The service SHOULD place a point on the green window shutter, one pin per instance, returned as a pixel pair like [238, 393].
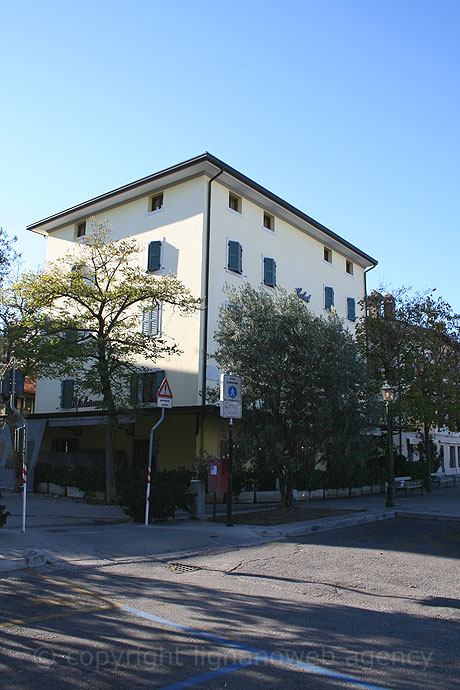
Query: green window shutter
[351, 309]
[235, 257]
[328, 298]
[154, 260]
[159, 376]
[269, 272]
[67, 393]
[134, 389]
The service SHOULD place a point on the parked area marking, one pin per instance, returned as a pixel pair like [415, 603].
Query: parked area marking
[258, 656]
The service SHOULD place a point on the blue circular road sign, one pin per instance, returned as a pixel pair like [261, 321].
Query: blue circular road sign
[232, 392]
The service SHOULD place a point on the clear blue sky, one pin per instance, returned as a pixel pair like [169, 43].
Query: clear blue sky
[348, 109]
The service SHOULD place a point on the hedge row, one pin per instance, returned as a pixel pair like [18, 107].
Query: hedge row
[169, 488]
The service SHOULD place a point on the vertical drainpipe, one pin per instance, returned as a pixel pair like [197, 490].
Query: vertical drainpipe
[366, 271]
[206, 295]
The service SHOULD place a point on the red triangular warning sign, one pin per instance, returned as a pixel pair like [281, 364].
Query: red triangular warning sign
[164, 390]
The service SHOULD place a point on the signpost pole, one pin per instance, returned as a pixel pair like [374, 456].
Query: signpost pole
[23, 448]
[230, 474]
[149, 469]
[164, 399]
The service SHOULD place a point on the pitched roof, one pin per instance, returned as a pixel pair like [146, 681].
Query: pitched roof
[207, 164]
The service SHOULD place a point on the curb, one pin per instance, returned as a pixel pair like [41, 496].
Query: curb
[441, 517]
[30, 560]
[35, 558]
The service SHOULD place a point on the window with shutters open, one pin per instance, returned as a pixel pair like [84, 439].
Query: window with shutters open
[144, 387]
[154, 256]
[351, 309]
[269, 272]
[151, 322]
[328, 298]
[67, 393]
[235, 257]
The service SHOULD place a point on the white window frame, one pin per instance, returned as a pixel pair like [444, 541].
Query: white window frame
[75, 234]
[264, 227]
[328, 263]
[352, 274]
[240, 204]
[157, 210]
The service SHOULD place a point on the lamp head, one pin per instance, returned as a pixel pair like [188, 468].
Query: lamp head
[388, 393]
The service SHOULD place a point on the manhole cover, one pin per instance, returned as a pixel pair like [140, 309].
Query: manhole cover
[182, 568]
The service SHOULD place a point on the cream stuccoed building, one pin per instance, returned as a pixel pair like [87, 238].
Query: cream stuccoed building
[211, 225]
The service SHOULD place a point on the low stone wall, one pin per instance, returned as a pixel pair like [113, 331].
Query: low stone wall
[69, 491]
[314, 495]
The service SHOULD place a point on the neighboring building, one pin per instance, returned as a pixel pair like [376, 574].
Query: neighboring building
[211, 225]
[447, 445]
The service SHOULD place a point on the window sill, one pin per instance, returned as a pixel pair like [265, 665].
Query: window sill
[237, 213]
[234, 273]
[271, 232]
[328, 263]
[153, 213]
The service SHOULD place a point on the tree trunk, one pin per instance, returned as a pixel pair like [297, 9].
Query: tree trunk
[427, 457]
[286, 490]
[110, 486]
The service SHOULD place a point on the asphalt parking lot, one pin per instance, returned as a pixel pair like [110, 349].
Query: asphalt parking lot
[373, 606]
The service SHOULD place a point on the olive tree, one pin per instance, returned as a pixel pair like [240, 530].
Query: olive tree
[302, 381]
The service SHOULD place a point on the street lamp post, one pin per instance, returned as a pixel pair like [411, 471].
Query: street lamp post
[388, 395]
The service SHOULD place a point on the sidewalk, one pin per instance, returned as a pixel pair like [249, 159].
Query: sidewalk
[67, 530]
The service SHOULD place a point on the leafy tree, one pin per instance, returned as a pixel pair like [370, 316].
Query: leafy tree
[413, 342]
[82, 315]
[7, 253]
[302, 383]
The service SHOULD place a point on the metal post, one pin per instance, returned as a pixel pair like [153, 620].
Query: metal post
[390, 502]
[230, 474]
[149, 469]
[23, 449]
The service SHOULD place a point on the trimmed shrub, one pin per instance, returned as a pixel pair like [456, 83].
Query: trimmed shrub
[310, 480]
[88, 479]
[169, 491]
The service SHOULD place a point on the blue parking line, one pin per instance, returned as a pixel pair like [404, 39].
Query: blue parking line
[209, 675]
[260, 656]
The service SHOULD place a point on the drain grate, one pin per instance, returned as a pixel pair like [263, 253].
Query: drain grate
[182, 568]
